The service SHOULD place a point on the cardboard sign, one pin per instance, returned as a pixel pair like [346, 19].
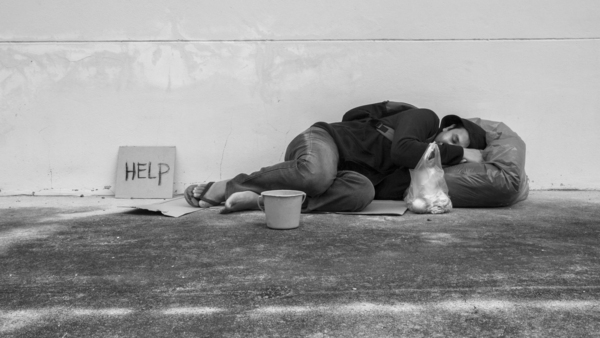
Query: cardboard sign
[145, 172]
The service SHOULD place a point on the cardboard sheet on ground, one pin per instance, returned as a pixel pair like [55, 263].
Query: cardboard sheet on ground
[382, 207]
[173, 207]
[177, 207]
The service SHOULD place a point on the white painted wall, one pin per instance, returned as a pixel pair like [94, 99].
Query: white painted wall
[230, 82]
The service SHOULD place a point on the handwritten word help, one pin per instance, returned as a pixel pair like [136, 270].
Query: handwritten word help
[145, 170]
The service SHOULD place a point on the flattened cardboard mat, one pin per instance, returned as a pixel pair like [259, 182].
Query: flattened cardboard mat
[173, 208]
[177, 207]
[382, 207]
[145, 172]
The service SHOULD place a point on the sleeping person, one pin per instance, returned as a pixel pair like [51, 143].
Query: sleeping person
[343, 166]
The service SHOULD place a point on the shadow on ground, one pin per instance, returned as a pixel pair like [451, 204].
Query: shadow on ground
[87, 269]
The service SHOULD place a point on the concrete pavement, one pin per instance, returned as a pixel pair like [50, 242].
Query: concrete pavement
[84, 267]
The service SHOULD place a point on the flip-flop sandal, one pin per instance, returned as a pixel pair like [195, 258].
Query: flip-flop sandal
[205, 199]
[189, 197]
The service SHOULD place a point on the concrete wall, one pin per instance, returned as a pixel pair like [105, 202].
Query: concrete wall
[230, 82]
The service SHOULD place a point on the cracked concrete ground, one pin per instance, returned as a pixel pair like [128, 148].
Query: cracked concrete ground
[84, 267]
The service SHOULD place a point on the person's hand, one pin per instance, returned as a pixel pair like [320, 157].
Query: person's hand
[472, 156]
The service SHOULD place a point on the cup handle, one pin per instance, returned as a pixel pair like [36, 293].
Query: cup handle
[303, 198]
[258, 200]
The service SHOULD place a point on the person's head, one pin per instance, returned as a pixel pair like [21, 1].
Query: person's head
[460, 132]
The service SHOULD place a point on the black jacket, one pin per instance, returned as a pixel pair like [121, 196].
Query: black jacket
[385, 163]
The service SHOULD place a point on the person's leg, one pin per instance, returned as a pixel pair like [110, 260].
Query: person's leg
[350, 191]
[310, 165]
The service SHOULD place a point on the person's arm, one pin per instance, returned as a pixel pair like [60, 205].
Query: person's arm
[412, 130]
[472, 156]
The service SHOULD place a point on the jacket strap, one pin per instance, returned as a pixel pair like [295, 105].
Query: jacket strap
[384, 130]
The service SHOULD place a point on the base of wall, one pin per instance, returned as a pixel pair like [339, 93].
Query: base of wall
[111, 193]
[60, 192]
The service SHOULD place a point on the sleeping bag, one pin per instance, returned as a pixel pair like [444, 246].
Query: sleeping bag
[498, 181]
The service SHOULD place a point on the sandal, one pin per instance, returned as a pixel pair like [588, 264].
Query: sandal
[193, 201]
[208, 200]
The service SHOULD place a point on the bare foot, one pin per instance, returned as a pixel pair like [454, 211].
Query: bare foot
[245, 200]
[215, 193]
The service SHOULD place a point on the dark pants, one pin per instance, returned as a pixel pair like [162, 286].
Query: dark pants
[311, 161]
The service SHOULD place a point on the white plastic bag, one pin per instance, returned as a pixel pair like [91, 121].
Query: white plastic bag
[428, 192]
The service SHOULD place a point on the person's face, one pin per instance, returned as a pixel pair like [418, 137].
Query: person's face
[453, 135]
